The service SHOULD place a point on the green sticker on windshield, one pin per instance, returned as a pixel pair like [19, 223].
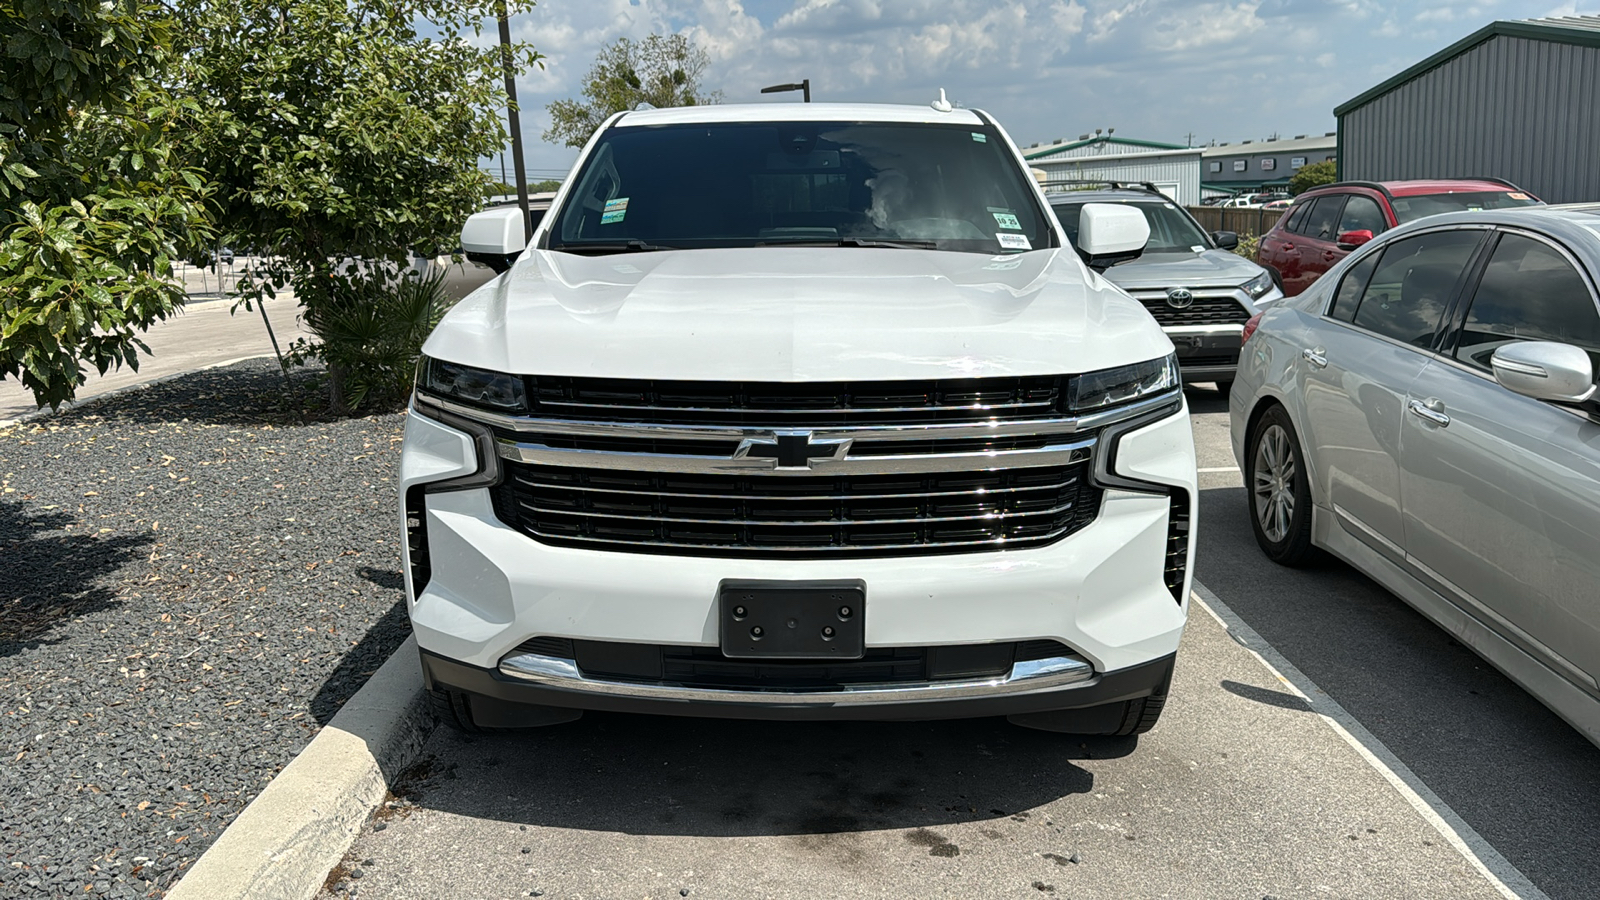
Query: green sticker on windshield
[980, 138]
[615, 211]
[1007, 220]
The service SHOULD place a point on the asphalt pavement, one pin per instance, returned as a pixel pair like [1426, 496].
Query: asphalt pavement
[1378, 759]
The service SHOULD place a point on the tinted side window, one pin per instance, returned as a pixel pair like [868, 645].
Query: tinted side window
[1297, 217]
[1529, 292]
[1413, 283]
[1323, 218]
[1350, 288]
[1361, 214]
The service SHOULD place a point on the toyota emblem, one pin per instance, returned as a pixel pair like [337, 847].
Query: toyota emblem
[1179, 298]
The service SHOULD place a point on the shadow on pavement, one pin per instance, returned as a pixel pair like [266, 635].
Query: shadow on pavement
[1280, 699]
[1520, 776]
[54, 577]
[665, 775]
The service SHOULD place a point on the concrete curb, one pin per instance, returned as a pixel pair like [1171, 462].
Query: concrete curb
[294, 832]
[46, 412]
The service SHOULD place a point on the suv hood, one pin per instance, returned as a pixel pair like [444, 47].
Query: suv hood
[1207, 268]
[797, 314]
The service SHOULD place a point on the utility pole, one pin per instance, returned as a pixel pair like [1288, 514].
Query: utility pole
[1188, 139]
[515, 121]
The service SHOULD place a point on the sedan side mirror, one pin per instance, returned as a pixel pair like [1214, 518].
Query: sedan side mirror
[1109, 233]
[1350, 240]
[494, 237]
[1225, 240]
[1545, 370]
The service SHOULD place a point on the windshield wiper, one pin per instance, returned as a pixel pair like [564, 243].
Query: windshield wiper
[634, 246]
[853, 242]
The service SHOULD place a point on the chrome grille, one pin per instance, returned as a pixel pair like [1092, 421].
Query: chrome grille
[797, 405]
[1212, 310]
[738, 515]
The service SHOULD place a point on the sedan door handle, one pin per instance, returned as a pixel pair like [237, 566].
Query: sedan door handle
[1314, 355]
[1431, 410]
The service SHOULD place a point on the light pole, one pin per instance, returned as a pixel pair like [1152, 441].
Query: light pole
[515, 122]
[799, 86]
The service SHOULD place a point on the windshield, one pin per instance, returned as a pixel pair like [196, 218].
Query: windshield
[939, 187]
[1408, 209]
[1171, 229]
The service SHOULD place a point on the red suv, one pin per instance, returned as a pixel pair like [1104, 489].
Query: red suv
[1327, 222]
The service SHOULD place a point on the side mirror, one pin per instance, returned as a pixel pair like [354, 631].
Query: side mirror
[1353, 239]
[494, 237]
[1545, 370]
[1109, 233]
[1225, 240]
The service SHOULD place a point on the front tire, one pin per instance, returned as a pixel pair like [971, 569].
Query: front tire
[1278, 489]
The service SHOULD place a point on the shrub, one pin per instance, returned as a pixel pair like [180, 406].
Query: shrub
[370, 326]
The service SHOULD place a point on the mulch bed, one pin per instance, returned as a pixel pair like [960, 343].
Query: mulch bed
[193, 579]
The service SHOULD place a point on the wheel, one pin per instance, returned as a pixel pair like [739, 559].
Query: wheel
[474, 714]
[1279, 492]
[454, 709]
[1120, 719]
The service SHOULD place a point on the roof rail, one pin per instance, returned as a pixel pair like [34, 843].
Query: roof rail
[1373, 185]
[1385, 191]
[1102, 182]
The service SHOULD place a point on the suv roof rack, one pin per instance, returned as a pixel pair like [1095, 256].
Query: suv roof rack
[1103, 182]
[1377, 186]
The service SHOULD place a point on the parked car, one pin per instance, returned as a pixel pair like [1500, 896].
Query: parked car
[1327, 222]
[1277, 204]
[1243, 201]
[800, 411]
[1200, 293]
[1268, 197]
[1427, 413]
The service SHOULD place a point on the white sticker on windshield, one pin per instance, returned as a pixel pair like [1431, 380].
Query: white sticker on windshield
[1007, 220]
[615, 211]
[1013, 241]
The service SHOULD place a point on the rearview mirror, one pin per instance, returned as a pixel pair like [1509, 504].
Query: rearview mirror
[1109, 233]
[1225, 240]
[1353, 239]
[1545, 370]
[495, 237]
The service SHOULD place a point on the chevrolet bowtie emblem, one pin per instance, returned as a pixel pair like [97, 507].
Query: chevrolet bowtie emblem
[793, 449]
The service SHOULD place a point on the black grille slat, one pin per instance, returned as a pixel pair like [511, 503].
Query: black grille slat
[737, 515]
[810, 404]
[1177, 555]
[1203, 311]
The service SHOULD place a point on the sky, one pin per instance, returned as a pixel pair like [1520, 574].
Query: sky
[1160, 70]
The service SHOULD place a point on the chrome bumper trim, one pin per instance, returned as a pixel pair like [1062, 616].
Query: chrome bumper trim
[1031, 675]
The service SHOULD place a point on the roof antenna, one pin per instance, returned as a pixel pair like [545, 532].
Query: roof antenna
[941, 104]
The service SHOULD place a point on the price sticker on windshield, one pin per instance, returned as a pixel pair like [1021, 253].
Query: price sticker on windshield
[615, 211]
[1007, 220]
[1013, 241]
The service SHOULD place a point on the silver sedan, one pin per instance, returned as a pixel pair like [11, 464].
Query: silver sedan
[1428, 413]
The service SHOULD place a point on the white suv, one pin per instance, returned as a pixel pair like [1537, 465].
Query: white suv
[800, 412]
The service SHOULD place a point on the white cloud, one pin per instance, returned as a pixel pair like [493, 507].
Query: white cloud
[1154, 69]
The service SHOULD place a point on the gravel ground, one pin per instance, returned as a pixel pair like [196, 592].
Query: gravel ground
[194, 580]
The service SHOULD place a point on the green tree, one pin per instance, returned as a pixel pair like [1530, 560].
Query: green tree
[344, 135]
[1313, 175]
[660, 71]
[94, 202]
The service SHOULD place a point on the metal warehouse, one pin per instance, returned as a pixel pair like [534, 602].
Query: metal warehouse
[1173, 168]
[1515, 100]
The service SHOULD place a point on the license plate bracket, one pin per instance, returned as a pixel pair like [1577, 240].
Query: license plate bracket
[792, 619]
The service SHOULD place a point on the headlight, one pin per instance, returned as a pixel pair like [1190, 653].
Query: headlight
[475, 387]
[1258, 286]
[1108, 387]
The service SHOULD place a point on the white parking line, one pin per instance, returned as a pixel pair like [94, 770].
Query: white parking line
[1499, 871]
[1218, 469]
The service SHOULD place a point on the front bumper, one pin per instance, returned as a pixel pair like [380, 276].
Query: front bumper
[497, 695]
[1100, 591]
[1207, 352]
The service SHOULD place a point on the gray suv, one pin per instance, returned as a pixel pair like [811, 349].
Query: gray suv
[1199, 292]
